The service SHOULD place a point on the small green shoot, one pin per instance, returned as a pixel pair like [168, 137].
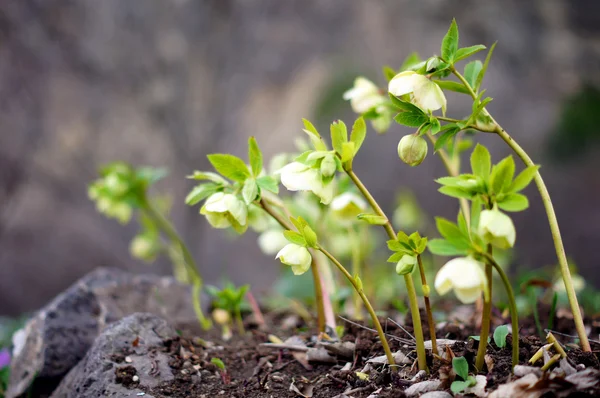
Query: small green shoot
[461, 368]
[500, 336]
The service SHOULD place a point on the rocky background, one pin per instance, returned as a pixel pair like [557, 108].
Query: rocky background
[164, 83]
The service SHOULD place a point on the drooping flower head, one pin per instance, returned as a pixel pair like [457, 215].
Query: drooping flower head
[364, 96]
[297, 176]
[497, 228]
[224, 210]
[426, 94]
[296, 256]
[465, 276]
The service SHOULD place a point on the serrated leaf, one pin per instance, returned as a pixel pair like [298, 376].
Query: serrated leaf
[523, 179]
[500, 336]
[514, 202]
[402, 237]
[229, 166]
[411, 119]
[250, 190]
[294, 237]
[502, 174]
[339, 135]
[310, 236]
[484, 69]
[442, 247]
[481, 162]
[466, 52]
[452, 86]
[255, 156]
[314, 136]
[450, 43]
[201, 192]
[444, 138]
[461, 367]
[358, 134]
[422, 245]
[394, 245]
[268, 183]
[448, 229]
[372, 219]
[471, 72]
[455, 192]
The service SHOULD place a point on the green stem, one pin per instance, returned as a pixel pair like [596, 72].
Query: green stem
[486, 314]
[560, 250]
[356, 270]
[314, 269]
[430, 322]
[512, 306]
[193, 275]
[410, 287]
[239, 321]
[368, 306]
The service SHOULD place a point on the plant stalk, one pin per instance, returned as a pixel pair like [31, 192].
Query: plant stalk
[430, 322]
[560, 250]
[410, 287]
[356, 270]
[368, 306]
[193, 275]
[486, 315]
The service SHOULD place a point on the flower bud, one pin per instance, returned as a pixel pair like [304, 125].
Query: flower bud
[296, 256]
[221, 316]
[406, 265]
[328, 166]
[412, 149]
[364, 96]
[465, 276]
[497, 228]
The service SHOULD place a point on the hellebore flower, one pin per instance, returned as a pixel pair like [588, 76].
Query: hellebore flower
[465, 276]
[300, 177]
[497, 228]
[348, 205]
[223, 210]
[296, 256]
[412, 150]
[427, 95]
[364, 96]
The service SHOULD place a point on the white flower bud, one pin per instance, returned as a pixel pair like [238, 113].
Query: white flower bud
[412, 150]
[297, 257]
[300, 177]
[497, 228]
[223, 210]
[465, 276]
[427, 95]
[364, 96]
[406, 265]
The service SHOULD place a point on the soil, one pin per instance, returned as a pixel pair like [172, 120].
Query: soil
[256, 371]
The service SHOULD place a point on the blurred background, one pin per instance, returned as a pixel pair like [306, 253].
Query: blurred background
[163, 83]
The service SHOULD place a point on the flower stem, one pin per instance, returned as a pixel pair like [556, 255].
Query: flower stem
[560, 250]
[410, 287]
[486, 314]
[314, 269]
[512, 306]
[356, 270]
[430, 322]
[192, 271]
[368, 306]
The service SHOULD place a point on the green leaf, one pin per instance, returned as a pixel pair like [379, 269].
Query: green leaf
[388, 72]
[201, 192]
[229, 166]
[444, 138]
[294, 237]
[500, 336]
[502, 174]
[394, 245]
[442, 247]
[448, 229]
[471, 72]
[422, 245]
[466, 52]
[450, 43]
[255, 156]
[269, 183]
[455, 192]
[348, 151]
[402, 237]
[514, 202]
[461, 367]
[358, 134]
[411, 119]
[218, 363]
[372, 219]
[476, 204]
[481, 162]
[405, 106]
[208, 175]
[394, 258]
[458, 386]
[523, 179]
[310, 236]
[250, 190]
[314, 136]
[434, 126]
[484, 69]
[339, 135]
[299, 223]
[452, 86]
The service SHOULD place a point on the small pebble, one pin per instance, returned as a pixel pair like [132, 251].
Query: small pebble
[184, 372]
[128, 359]
[135, 378]
[580, 366]
[196, 367]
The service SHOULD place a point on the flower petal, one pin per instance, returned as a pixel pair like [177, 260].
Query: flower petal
[428, 95]
[402, 83]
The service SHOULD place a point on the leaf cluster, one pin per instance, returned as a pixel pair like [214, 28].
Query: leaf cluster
[461, 368]
[304, 236]
[229, 298]
[404, 244]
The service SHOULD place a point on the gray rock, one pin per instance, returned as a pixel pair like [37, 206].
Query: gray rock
[436, 394]
[96, 375]
[418, 389]
[60, 334]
